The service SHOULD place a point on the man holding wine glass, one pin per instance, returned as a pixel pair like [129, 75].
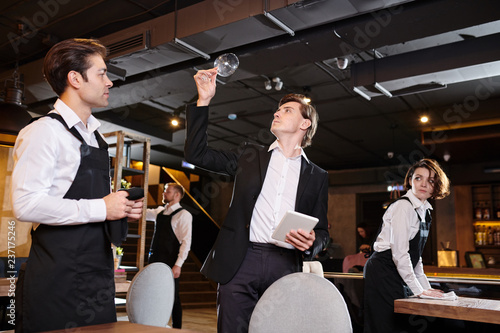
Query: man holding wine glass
[269, 181]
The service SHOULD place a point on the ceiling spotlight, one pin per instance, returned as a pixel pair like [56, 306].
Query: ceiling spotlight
[342, 63]
[268, 85]
[424, 119]
[306, 91]
[233, 116]
[175, 122]
[278, 83]
[446, 156]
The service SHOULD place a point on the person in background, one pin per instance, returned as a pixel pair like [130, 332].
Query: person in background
[61, 182]
[269, 181]
[354, 263]
[396, 264]
[172, 239]
[365, 234]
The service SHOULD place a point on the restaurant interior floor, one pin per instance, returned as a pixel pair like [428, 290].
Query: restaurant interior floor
[201, 319]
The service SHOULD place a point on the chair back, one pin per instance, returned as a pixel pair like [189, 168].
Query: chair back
[150, 297]
[314, 267]
[301, 302]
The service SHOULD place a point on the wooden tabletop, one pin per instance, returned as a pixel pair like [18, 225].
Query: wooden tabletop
[126, 327]
[464, 308]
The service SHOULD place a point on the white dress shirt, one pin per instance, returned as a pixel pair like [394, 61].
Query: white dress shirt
[400, 225]
[278, 195]
[46, 159]
[182, 225]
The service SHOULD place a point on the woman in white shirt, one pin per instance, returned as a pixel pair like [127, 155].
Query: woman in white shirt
[395, 268]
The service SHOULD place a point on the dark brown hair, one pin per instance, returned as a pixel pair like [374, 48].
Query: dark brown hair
[441, 181]
[308, 112]
[69, 55]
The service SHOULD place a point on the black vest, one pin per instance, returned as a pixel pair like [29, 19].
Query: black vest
[165, 245]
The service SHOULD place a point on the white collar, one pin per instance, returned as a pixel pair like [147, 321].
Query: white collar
[173, 207]
[416, 203]
[275, 145]
[71, 118]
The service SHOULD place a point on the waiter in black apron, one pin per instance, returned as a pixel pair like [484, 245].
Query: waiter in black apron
[395, 269]
[172, 239]
[61, 183]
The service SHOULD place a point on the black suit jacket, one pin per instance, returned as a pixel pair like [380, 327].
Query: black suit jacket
[248, 164]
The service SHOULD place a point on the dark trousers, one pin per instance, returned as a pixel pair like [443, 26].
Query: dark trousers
[263, 264]
[177, 309]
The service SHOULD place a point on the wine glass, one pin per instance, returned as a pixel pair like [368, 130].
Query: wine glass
[226, 64]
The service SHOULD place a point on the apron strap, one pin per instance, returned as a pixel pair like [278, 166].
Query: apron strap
[73, 130]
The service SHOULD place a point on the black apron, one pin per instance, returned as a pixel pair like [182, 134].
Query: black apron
[383, 284]
[69, 280]
[165, 245]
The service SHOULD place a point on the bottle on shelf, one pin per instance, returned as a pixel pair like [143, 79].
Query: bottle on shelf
[480, 235]
[483, 235]
[486, 211]
[490, 236]
[476, 235]
[478, 212]
[497, 212]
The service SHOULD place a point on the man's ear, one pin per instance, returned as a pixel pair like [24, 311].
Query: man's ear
[74, 79]
[306, 124]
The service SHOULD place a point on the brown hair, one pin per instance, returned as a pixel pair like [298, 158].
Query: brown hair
[308, 112]
[441, 181]
[178, 188]
[69, 55]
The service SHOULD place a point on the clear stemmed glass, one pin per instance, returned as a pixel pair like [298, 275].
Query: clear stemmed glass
[226, 64]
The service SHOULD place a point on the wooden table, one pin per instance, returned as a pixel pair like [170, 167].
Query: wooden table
[464, 308]
[125, 327]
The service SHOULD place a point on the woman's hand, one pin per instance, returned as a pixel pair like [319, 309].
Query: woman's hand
[432, 293]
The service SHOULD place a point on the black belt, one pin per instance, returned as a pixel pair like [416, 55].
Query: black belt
[269, 247]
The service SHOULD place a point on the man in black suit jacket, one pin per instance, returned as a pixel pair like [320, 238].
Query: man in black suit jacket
[245, 260]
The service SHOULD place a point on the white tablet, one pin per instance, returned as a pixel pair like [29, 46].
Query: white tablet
[293, 221]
